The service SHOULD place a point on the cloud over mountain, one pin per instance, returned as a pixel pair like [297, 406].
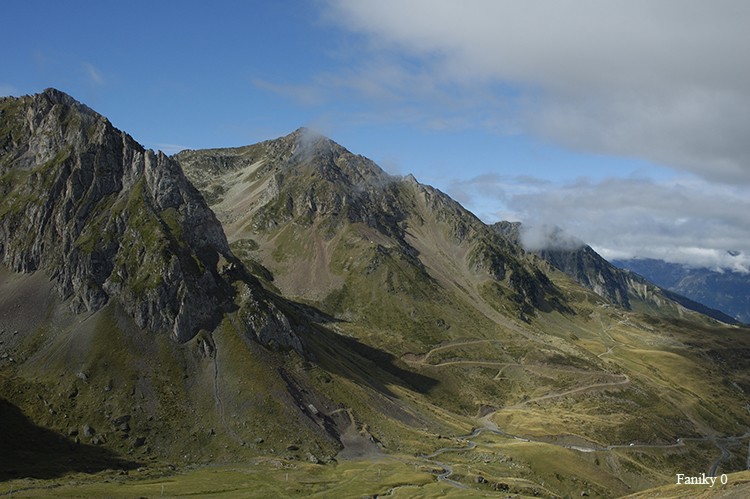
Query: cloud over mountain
[694, 223]
[665, 81]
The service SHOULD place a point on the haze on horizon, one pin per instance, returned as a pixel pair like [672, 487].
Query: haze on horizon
[623, 123]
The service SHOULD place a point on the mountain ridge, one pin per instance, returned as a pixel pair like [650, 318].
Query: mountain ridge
[357, 315]
[336, 193]
[617, 285]
[105, 217]
[724, 290]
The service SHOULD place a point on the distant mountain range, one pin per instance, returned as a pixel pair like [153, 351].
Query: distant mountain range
[727, 291]
[625, 288]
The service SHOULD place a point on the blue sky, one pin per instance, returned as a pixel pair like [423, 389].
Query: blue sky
[625, 123]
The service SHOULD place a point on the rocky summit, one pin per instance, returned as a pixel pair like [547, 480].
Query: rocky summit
[336, 215]
[287, 319]
[105, 218]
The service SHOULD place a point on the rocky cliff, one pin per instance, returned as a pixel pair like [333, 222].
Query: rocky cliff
[583, 264]
[105, 218]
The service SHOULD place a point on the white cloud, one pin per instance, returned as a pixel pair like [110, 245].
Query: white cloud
[666, 81]
[539, 237]
[484, 193]
[94, 75]
[690, 222]
[663, 81]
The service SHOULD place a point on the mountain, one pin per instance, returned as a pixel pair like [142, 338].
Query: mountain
[726, 290]
[404, 269]
[105, 218]
[612, 282]
[119, 293]
[305, 324]
[581, 263]
[320, 218]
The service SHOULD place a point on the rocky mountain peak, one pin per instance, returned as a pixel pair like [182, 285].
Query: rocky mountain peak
[332, 161]
[55, 96]
[302, 176]
[305, 187]
[107, 219]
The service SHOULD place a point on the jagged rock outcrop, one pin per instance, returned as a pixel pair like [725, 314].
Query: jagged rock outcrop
[617, 286]
[581, 263]
[588, 268]
[106, 218]
[306, 177]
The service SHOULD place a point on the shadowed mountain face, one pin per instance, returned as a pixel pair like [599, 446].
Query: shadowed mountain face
[316, 308]
[27, 450]
[92, 208]
[111, 260]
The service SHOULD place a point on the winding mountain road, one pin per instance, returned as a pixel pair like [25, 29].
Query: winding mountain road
[470, 444]
[489, 426]
[580, 389]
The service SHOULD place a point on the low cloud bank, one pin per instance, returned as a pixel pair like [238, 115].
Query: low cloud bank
[688, 221]
[548, 237]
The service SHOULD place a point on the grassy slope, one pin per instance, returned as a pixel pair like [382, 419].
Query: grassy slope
[592, 377]
[522, 466]
[627, 380]
[181, 406]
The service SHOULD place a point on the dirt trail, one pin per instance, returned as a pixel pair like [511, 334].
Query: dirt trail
[487, 425]
[447, 468]
[490, 427]
[609, 351]
[580, 389]
[454, 344]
